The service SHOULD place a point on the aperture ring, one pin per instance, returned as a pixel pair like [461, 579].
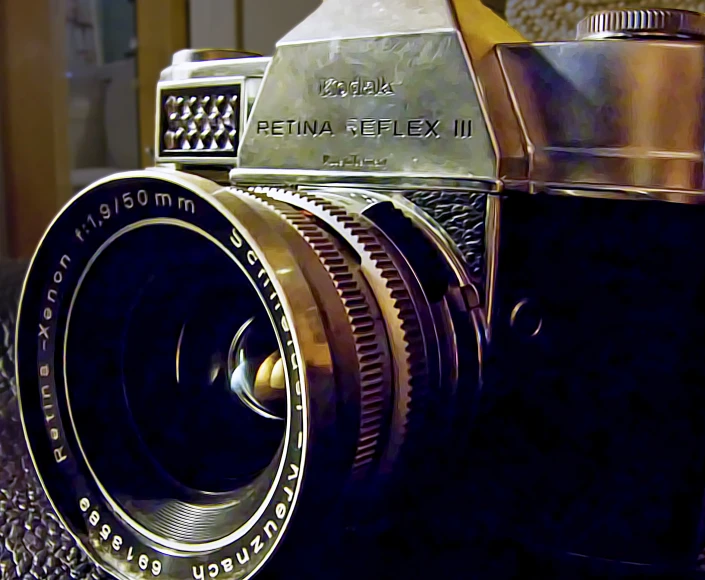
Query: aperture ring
[368, 335]
[403, 327]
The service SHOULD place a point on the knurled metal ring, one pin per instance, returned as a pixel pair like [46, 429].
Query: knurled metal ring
[395, 301]
[370, 342]
[633, 23]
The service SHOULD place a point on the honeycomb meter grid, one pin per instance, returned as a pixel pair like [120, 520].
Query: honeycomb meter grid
[201, 120]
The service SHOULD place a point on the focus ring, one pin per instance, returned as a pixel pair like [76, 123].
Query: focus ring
[371, 356]
[411, 365]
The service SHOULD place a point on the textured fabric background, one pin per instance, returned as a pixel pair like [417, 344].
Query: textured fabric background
[557, 19]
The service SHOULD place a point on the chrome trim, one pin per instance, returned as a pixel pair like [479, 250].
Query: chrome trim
[338, 19]
[615, 114]
[200, 82]
[197, 159]
[641, 22]
[393, 104]
[492, 250]
[211, 70]
[626, 193]
[263, 176]
[208, 54]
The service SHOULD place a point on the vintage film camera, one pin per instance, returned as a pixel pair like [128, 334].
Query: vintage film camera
[412, 291]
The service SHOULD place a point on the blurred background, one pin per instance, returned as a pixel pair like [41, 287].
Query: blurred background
[77, 89]
[78, 77]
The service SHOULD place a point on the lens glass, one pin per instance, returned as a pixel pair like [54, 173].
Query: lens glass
[173, 367]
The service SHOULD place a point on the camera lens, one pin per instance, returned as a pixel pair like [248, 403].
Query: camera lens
[211, 361]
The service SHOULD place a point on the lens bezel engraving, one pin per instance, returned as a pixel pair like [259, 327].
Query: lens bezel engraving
[116, 544]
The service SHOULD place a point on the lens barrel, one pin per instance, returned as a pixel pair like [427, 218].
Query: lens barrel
[196, 364]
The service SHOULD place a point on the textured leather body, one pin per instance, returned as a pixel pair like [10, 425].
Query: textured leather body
[33, 544]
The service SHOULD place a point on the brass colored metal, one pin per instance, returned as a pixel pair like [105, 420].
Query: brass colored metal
[372, 368]
[270, 377]
[406, 342]
[482, 29]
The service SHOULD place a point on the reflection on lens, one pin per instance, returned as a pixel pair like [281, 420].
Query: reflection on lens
[257, 378]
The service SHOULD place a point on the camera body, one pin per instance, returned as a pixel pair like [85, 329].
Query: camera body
[539, 207]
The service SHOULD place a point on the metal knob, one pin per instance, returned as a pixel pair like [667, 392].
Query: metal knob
[205, 54]
[641, 23]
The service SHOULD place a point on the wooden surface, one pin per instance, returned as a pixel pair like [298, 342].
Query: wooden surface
[162, 29]
[34, 112]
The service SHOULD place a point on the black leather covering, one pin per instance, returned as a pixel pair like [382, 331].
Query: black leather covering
[33, 544]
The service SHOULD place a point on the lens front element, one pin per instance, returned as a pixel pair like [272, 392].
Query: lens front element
[155, 333]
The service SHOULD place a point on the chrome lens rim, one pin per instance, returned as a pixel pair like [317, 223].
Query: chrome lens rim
[123, 548]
